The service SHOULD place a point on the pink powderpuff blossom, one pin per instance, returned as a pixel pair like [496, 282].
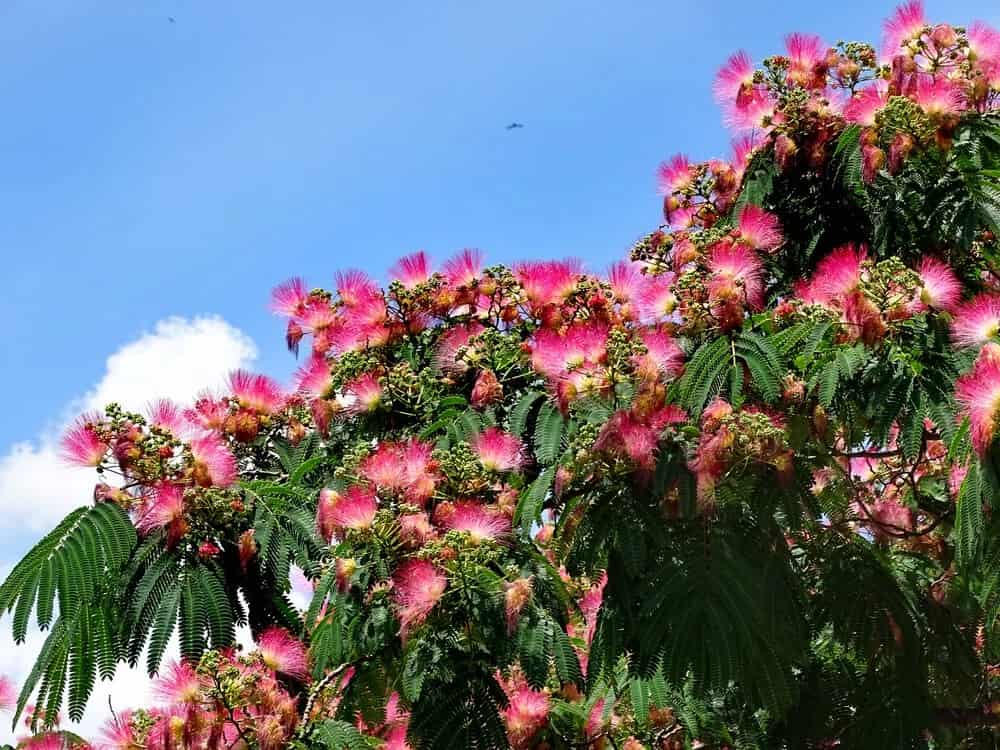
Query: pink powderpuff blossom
[734, 82]
[548, 282]
[289, 298]
[464, 268]
[412, 270]
[516, 595]
[939, 289]
[481, 522]
[978, 391]
[656, 299]
[356, 289]
[118, 733]
[314, 378]
[214, 463]
[903, 25]
[363, 395]
[626, 281]
[760, 229]
[8, 694]
[805, 54]
[664, 356]
[744, 148]
[453, 341]
[283, 653]
[675, 175]
[354, 510]
[938, 97]
[977, 321]
[498, 450]
[759, 112]
[527, 709]
[257, 392]
[838, 274]
[163, 508]
[738, 264]
[984, 43]
[177, 683]
[208, 413]
[864, 105]
[418, 585]
[81, 444]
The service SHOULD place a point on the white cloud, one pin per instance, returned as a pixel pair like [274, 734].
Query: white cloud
[176, 360]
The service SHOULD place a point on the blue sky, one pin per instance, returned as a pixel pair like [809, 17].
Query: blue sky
[153, 169]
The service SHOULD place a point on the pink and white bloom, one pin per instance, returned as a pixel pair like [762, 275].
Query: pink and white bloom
[481, 522]
[284, 653]
[527, 709]
[663, 357]
[977, 321]
[362, 395]
[177, 683]
[8, 694]
[734, 82]
[979, 393]
[167, 415]
[760, 229]
[864, 105]
[837, 275]
[214, 463]
[81, 444]
[903, 25]
[656, 300]
[939, 97]
[464, 268]
[735, 263]
[940, 289]
[675, 175]
[412, 270]
[162, 508]
[289, 298]
[118, 733]
[548, 282]
[354, 510]
[256, 392]
[453, 341]
[314, 378]
[418, 585]
[498, 450]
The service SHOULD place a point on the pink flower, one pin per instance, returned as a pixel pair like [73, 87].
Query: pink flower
[356, 289]
[760, 229]
[979, 392]
[167, 415]
[805, 54]
[626, 280]
[354, 510]
[289, 298]
[257, 392]
[8, 694]
[412, 270]
[904, 24]
[214, 463]
[163, 508]
[656, 299]
[977, 321]
[208, 412]
[363, 395]
[417, 587]
[415, 529]
[838, 274]
[81, 445]
[464, 268]
[743, 149]
[735, 263]
[527, 710]
[663, 357]
[118, 733]
[482, 523]
[516, 595]
[675, 174]
[984, 43]
[406, 468]
[940, 288]
[758, 112]
[178, 683]
[499, 450]
[938, 96]
[451, 342]
[864, 105]
[548, 282]
[283, 653]
[314, 379]
[734, 81]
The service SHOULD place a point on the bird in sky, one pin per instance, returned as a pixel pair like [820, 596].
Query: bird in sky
[515, 126]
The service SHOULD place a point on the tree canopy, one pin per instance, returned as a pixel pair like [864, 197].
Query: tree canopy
[736, 492]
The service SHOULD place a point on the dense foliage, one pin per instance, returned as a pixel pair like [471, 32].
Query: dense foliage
[738, 492]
